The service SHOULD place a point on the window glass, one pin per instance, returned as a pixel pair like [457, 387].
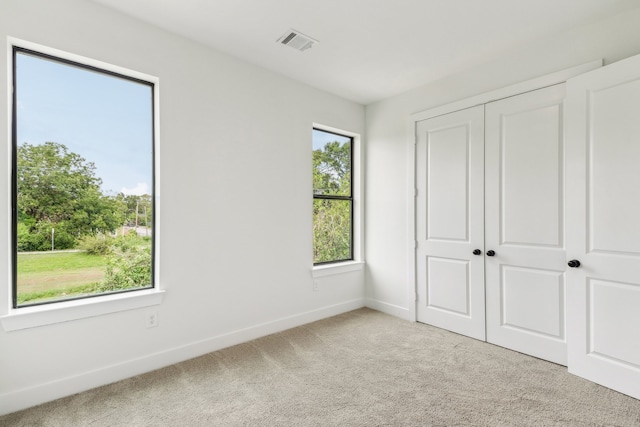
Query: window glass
[333, 201]
[83, 181]
[331, 164]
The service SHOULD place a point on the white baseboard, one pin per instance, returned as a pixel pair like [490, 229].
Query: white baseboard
[393, 310]
[41, 393]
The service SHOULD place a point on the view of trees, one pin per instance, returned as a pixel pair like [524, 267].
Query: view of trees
[332, 205]
[60, 206]
[58, 190]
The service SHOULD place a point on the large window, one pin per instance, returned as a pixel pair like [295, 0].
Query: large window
[83, 180]
[332, 197]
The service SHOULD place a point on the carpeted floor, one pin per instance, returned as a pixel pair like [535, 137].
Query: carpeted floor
[362, 368]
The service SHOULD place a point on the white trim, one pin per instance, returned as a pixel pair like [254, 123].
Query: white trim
[391, 309]
[484, 98]
[337, 268]
[29, 317]
[12, 41]
[411, 222]
[6, 291]
[65, 311]
[40, 393]
[505, 92]
[357, 175]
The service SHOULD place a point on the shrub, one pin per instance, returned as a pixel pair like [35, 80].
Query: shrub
[38, 237]
[128, 269]
[128, 241]
[28, 241]
[96, 245]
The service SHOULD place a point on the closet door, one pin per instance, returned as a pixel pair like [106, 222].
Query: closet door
[450, 221]
[603, 231]
[524, 217]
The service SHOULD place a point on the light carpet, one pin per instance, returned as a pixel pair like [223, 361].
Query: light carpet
[362, 368]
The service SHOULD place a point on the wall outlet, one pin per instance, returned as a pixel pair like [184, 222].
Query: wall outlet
[316, 286]
[152, 319]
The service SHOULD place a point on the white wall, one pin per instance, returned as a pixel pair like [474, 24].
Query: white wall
[235, 207]
[387, 181]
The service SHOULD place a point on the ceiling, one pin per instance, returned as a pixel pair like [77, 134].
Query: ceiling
[368, 49]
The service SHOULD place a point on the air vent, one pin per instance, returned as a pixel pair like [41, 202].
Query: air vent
[297, 40]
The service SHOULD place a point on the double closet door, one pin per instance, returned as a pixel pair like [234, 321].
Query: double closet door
[528, 223]
[490, 223]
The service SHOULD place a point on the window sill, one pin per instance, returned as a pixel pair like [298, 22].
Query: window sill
[338, 268]
[32, 317]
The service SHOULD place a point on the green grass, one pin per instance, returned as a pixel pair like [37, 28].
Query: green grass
[39, 262]
[52, 275]
[48, 276]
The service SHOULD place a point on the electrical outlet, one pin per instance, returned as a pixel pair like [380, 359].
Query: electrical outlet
[152, 319]
[316, 286]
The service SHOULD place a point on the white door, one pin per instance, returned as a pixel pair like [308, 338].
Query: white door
[524, 220]
[450, 221]
[603, 227]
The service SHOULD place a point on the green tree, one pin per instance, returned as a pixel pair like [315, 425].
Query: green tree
[332, 216]
[332, 169]
[138, 209]
[58, 189]
[331, 230]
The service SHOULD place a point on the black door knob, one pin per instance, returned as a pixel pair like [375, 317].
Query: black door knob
[574, 263]
[490, 253]
[477, 252]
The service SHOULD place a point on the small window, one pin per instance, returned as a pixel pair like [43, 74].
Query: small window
[332, 197]
[83, 180]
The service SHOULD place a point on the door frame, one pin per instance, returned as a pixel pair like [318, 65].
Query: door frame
[484, 98]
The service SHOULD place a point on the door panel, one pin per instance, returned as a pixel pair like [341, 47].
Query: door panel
[447, 157]
[448, 288]
[524, 220]
[450, 221]
[606, 338]
[523, 291]
[613, 222]
[530, 162]
[603, 175]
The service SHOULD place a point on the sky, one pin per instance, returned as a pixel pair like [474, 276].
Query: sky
[321, 138]
[105, 119]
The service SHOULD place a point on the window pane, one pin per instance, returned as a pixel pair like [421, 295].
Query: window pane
[84, 181]
[331, 164]
[331, 230]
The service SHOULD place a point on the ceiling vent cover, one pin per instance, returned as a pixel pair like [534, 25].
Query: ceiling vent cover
[297, 40]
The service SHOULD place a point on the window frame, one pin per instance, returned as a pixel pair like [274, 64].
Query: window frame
[356, 262]
[14, 317]
[332, 197]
